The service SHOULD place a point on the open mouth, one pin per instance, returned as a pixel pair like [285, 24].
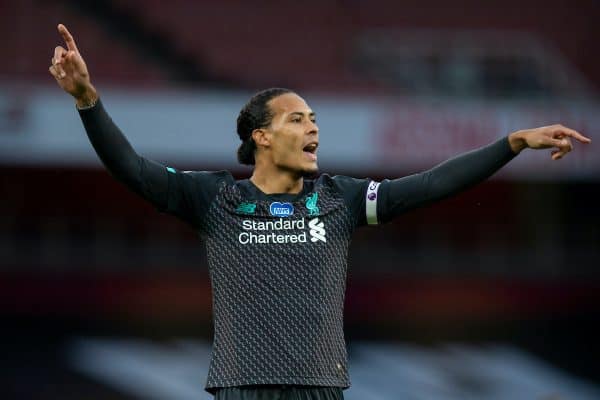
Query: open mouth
[310, 150]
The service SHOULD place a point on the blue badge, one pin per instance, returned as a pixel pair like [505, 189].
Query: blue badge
[281, 209]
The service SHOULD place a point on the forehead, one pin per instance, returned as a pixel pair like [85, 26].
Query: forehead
[288, 103]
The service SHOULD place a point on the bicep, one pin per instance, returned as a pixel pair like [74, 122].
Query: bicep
[371, 202]
[397, 196]
[189, 194]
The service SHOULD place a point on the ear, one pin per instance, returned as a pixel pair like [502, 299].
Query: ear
[261, 137]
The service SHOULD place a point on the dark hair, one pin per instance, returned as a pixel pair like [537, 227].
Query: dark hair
[254, 115]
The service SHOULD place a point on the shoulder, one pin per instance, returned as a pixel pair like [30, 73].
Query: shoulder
[204, 184]
[352, 190]
[344, 185]
[202, 177]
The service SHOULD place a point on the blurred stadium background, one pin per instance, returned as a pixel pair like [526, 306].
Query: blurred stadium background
[493, 294]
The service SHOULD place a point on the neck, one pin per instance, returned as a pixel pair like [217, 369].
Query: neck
[271, 181]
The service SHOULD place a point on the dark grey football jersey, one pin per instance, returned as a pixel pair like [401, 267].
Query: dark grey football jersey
[278, 272]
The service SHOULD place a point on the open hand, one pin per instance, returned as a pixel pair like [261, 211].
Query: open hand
[545, 137]
[70, 71]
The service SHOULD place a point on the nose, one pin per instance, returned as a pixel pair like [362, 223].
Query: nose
[314, 129]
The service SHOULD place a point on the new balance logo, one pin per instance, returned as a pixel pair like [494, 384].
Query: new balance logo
[317, 230]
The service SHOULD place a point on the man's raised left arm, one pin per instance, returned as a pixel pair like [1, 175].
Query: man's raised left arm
[393, 197]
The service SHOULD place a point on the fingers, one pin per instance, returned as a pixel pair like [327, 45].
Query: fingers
[564, 147]
[562, 139]
[559, 129]
[557, 155]
[553, 142]
[59, 54]
[53, 72]
[67, 37]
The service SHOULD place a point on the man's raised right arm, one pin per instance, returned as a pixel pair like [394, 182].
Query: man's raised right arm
[145, 177]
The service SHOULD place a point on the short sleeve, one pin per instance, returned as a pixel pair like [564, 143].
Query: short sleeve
[190, 193]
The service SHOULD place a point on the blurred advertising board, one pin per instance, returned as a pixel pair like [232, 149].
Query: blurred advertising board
[387, 136]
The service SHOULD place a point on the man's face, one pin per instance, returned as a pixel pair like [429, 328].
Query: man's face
[293, 134]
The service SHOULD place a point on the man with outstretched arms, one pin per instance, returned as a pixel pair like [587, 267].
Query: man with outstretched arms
[277, 243]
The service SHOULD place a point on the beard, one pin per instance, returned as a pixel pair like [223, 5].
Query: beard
[310, 173]
[302, 170]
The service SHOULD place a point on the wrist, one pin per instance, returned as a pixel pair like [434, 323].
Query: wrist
[517, 142]
[87, 99]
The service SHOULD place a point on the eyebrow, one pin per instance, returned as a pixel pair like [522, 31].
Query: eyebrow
[310, 114]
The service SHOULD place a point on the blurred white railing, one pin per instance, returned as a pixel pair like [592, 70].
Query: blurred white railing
[388, 136]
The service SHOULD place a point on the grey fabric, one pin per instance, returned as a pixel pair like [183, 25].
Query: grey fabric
[278, 307]
[280, 393]
[444, 180]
